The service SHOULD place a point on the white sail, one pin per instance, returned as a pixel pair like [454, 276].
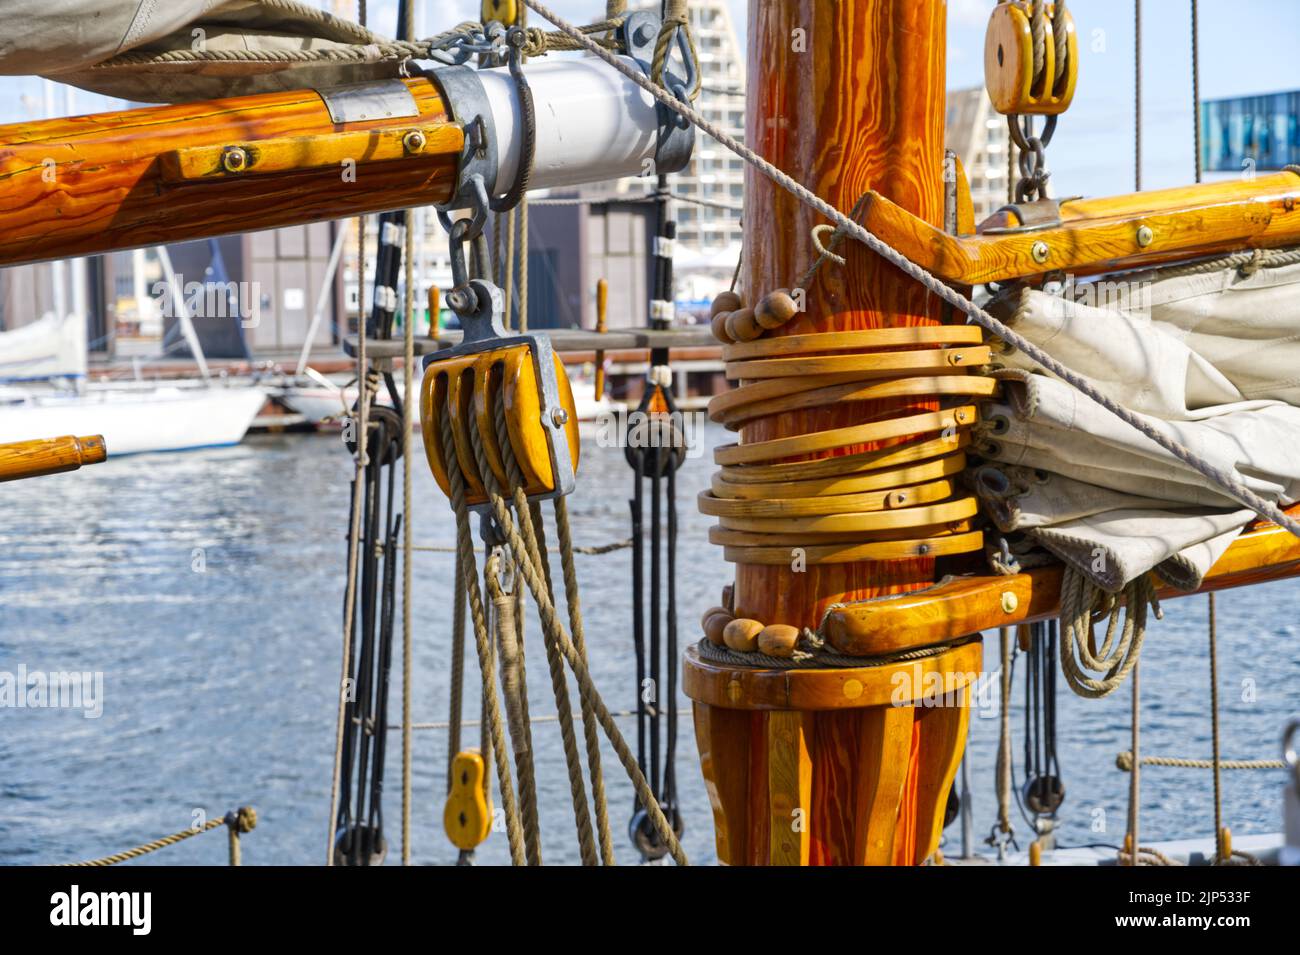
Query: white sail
[50, 347]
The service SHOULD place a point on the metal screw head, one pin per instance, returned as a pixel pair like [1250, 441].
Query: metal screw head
[1039, 251]
[1145, 236]
[414, 141]
[559, 417]
[1009, 601]
[234, 159]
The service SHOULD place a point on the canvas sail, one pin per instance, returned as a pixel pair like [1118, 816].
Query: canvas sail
[1209, 357]
[97, 45]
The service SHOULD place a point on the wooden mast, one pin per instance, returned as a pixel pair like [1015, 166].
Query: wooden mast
[845, 97]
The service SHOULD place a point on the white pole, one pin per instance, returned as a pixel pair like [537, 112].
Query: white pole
[323, 296]
[182, 313]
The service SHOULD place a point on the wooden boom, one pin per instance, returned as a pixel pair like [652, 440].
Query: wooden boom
[92, 184]
[28, 459]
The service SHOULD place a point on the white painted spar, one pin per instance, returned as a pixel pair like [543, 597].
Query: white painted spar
[134, 420]
[593, 124]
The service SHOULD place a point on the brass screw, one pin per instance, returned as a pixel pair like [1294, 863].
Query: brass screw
[1039, 252]
[414, 141]
[1145, 236]
[1009, 601]
[234, 159]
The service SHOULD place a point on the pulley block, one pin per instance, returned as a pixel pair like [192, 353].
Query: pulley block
[492, 372]
[467, 816]
[1015, 85]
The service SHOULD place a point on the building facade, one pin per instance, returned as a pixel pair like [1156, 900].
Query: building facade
[978, 136]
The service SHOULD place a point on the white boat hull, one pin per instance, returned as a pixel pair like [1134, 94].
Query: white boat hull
[133, 421]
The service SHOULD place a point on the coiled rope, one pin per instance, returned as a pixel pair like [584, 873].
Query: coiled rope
[1220, 478]
[1115, 658]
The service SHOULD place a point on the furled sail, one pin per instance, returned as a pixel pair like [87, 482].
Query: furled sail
[1208, 356]
[203, 49]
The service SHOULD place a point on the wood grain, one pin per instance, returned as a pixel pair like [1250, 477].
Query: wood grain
[91, 184]
[29, 459]
[973, 604]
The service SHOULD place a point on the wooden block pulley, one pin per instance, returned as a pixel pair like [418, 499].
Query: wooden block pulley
[1015, 84]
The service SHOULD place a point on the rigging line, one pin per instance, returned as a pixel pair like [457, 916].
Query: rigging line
[1196, 86]
[1219, 854]
[1137, 95]
[1220, 478]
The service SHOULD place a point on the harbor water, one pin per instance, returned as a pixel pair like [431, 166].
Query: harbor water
[207, 589]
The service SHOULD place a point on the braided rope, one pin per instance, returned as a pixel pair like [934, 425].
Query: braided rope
[559, 683]
[495, 732]
[1079, 596]
[1124, 762]
[242, 820]
[586, 686]
[945, 293]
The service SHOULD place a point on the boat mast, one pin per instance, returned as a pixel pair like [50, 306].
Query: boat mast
[819, 765]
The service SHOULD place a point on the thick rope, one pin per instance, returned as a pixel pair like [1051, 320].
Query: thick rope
[577, 664]
[513, 684]
[1004, 780]
[559, 683]
[1115, 658]
[1220, 478]
[494, 732]
[1124, 762]
[589, 729]
[456, 705]
[242, 820]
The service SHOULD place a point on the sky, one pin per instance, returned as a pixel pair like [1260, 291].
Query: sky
[1246, 47]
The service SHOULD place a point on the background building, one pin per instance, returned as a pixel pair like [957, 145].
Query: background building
[978, 135]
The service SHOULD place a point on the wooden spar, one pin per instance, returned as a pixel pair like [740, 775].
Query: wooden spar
[846, 97]
[28, 459]
[91, 184]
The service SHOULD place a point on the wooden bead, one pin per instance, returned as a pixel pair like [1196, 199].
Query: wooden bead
[704, 617]
[775, 309]
[742, 635]
[714, 626]
[741, 326]
[719, 326]
[778, 640]
[725, 302]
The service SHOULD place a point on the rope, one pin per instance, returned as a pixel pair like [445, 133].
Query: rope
[559, 683]
[1219, 855]
[494, 732]
[1137, 95]
[1135, 777]
[408, 403]
[1124, 762]
[239, 821]
[1003, 769]
[362, 424]
[514, 689]
[978, 315]
[1079, 597]
[533, 718]
[457, 690]
[593, 550]
[1196, 86]
[816, 660]
[551, 622]
[676, 21]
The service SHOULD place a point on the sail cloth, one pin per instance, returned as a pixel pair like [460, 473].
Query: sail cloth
[106, 46]
[1209, 356]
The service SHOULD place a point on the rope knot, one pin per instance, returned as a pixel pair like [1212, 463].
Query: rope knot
[241, 820]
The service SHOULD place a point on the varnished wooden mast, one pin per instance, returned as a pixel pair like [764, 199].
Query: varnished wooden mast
[832, 766]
